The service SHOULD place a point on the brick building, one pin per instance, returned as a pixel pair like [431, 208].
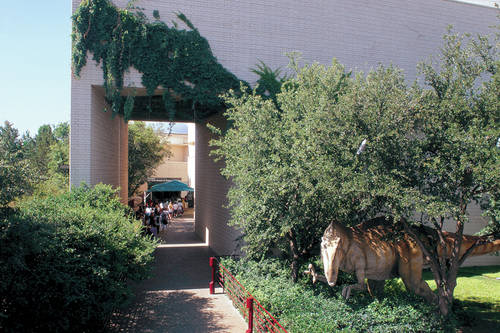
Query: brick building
[360, 34]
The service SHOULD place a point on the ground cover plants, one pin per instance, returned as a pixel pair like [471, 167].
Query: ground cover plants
[66, 261]
[304, 307]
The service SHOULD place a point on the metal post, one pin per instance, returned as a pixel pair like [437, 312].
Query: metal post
[212, 282]
[250, 314]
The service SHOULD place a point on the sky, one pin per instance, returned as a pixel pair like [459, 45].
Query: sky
[35, 62]
[35, 74]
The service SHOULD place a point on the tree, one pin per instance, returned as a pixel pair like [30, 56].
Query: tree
[43, 142]
[39, 149]
[269, 82]
[294, 164]
[15, 172]
[275, 157]
[56, 178]
[427, 152]
[69, 259]
[145, 152]
[491, 209]
[458, 133]
[59, 151]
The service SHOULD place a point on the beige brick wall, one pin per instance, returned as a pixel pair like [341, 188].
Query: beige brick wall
[360, 34]
[80, 152]
[123, 159]
[99, 144]
[210, 195]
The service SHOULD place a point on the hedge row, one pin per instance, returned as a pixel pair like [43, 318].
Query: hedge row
[304, 307]
[66, 261]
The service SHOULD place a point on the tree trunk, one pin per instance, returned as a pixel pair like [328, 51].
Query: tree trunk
[294, 252]
[443, 268]
[449, 272]
[295, 270]
[445, 299]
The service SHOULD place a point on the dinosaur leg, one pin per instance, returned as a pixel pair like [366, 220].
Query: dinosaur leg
[411, 274]
[360, 275]
[375, 287]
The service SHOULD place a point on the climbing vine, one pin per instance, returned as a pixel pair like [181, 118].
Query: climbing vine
[178, 61]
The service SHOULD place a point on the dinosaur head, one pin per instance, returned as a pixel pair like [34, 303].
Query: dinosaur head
[332, 252]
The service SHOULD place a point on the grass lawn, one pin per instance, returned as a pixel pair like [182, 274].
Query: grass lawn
[478, 291]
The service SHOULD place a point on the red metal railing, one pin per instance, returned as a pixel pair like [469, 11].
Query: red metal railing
[258, 318]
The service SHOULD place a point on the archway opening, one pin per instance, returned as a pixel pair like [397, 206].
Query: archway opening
[190, 163]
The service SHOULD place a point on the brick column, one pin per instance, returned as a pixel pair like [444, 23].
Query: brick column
[123, 161]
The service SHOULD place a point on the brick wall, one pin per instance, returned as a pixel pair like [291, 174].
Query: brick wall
[210, 195]
[360, 34]
[123, 160]
[80, 152]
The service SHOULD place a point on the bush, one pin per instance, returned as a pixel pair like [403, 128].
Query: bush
[66, 261]
[304, 307]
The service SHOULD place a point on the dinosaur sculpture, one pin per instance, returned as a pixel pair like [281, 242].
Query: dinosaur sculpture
[367, 250]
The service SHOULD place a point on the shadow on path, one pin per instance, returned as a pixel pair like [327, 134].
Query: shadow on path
[174, 311]
[176, 298]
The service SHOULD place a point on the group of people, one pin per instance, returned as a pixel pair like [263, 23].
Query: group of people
[157, 215]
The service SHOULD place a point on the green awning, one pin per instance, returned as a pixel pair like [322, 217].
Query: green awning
[170, 186]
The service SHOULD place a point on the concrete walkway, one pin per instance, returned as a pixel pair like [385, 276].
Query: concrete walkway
[177, 298]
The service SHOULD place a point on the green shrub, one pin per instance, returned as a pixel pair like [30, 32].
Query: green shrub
[304, 307]
[66, 261]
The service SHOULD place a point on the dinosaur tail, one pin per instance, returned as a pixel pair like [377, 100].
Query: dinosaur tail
[468, 241]
[485, 248]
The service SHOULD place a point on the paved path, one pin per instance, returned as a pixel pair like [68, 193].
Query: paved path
[177, 298]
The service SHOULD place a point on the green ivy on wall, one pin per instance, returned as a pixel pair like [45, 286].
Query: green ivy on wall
[177, 61]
